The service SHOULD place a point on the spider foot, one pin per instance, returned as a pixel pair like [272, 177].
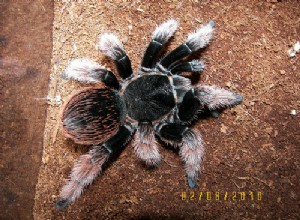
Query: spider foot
[192, 182]
[215, 113]
[83, 173]
[62, 204]
[212, 23]
[89, 165]
[201, 37]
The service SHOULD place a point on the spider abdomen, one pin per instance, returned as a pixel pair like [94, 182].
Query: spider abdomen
[92, 115]
[149, 97]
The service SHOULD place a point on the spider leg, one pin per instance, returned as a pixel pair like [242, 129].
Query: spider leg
[88, 167]
[87, 71]
[194, 42]
[192, 66]
[112, 47]
[160, 36]
[214, 97]
[145, 145]
[211, 97]
[190, 144]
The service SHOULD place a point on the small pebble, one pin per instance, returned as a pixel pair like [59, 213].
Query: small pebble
[292, 51]
[282, 72]
[293, 112]
[297, 46]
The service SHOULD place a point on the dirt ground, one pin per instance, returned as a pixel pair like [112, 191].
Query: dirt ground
[25, 55]
[252, 148]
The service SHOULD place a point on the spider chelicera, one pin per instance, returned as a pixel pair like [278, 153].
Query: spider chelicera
[155, 102]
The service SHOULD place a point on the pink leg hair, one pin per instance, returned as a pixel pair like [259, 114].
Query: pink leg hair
[85, 170]
[191, 152]
[145, 145]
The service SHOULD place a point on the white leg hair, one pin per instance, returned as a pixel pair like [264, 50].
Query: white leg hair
[201, 37]
[145, 145]
[83, 70]
[111, 46]
[215, 97]
[195, 41]
[164, 31]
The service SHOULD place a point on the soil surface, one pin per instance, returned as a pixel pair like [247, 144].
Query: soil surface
[25, 55]
[252, 148]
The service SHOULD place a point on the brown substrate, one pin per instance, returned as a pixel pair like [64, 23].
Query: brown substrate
[251, 148]
[25, 55]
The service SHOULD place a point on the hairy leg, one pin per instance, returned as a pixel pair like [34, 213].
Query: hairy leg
[191, 148]
[88, 167]
[87, 71]
[194, 42]
[145, 145]
[211, 97]
[214, 97]
[83, 173]
[111, 46]
[160, 36]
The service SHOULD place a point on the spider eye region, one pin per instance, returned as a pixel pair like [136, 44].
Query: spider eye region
[149, 97]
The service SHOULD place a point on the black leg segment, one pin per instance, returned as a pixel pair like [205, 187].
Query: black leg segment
[193, 66]
[182, 51]
[109, 79]
[119, 140]
[173, 132]
[150, 54]
[160, 36]
[194, 42]
[111, 46]
[189, 106]
[124, 67]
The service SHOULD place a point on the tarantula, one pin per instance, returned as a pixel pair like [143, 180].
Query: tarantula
[155, 102]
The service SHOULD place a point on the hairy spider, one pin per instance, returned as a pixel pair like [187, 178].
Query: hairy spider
[157, 101]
